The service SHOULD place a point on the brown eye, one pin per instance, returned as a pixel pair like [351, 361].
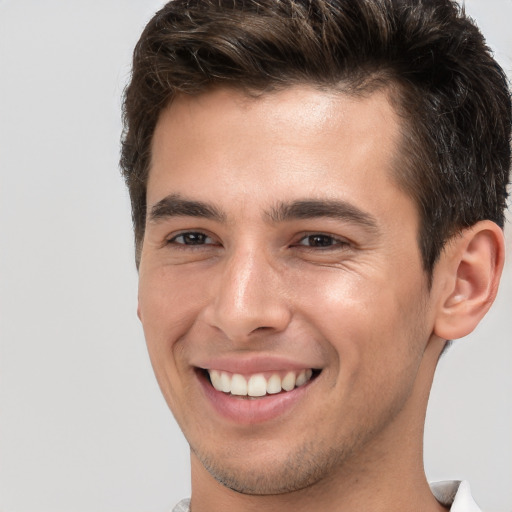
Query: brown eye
[319, 240]
[191, 238]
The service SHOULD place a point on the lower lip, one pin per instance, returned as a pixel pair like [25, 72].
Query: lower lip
[251, 411]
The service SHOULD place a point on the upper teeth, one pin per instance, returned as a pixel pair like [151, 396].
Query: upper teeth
[257, 384]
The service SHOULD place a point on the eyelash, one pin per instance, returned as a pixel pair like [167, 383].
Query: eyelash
[334, 242]
[331, 242]
[199, 234]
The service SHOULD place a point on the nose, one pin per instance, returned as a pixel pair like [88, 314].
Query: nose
[248, 296]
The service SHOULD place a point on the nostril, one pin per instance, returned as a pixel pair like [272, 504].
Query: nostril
[259, 329]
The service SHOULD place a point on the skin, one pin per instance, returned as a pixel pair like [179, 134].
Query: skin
[344, 294]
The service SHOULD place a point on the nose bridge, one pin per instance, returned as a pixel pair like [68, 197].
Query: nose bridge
[248, 295]
[249, 274]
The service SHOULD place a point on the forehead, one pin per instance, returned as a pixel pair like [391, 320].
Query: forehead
[282, 145]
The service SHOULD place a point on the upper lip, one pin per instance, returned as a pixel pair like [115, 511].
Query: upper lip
[250, 364]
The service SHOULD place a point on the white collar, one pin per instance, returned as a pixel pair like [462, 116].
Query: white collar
[450, 493]
[454, 494]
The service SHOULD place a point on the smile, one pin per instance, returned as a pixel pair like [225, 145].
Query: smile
[259, 384]
[255, 390]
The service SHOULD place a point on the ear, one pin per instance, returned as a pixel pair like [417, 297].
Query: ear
[470, 270]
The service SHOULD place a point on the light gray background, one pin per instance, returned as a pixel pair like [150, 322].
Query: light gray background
[82, 424]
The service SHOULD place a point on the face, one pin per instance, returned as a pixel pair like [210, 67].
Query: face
[281, 290]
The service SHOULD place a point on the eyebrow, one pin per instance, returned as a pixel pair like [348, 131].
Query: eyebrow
[175, 206]
[312, 208]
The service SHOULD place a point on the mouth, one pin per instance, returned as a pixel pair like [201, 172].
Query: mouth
[258, 385]
[254, 390]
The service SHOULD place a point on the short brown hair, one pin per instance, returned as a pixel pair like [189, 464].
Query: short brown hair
[453, 96]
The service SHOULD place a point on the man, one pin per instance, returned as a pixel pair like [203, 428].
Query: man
[318, 191]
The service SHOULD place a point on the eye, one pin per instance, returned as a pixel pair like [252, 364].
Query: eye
[321, 240]
[191, 238]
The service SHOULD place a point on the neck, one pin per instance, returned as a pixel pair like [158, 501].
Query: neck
[385, 476]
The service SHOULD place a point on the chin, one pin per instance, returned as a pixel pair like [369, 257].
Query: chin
[272, 474]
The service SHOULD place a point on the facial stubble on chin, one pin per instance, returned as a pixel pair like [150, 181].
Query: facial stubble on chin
[300, 470]
[317, 461]
[311, 463]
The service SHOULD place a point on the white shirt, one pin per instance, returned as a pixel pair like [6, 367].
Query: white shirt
[456, 495]
[451, 493]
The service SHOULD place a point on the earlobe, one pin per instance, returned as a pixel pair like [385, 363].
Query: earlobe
[472, 271]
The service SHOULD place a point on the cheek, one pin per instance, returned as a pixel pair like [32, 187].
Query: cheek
[168, 301]
[372, 322]
[169, 304]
